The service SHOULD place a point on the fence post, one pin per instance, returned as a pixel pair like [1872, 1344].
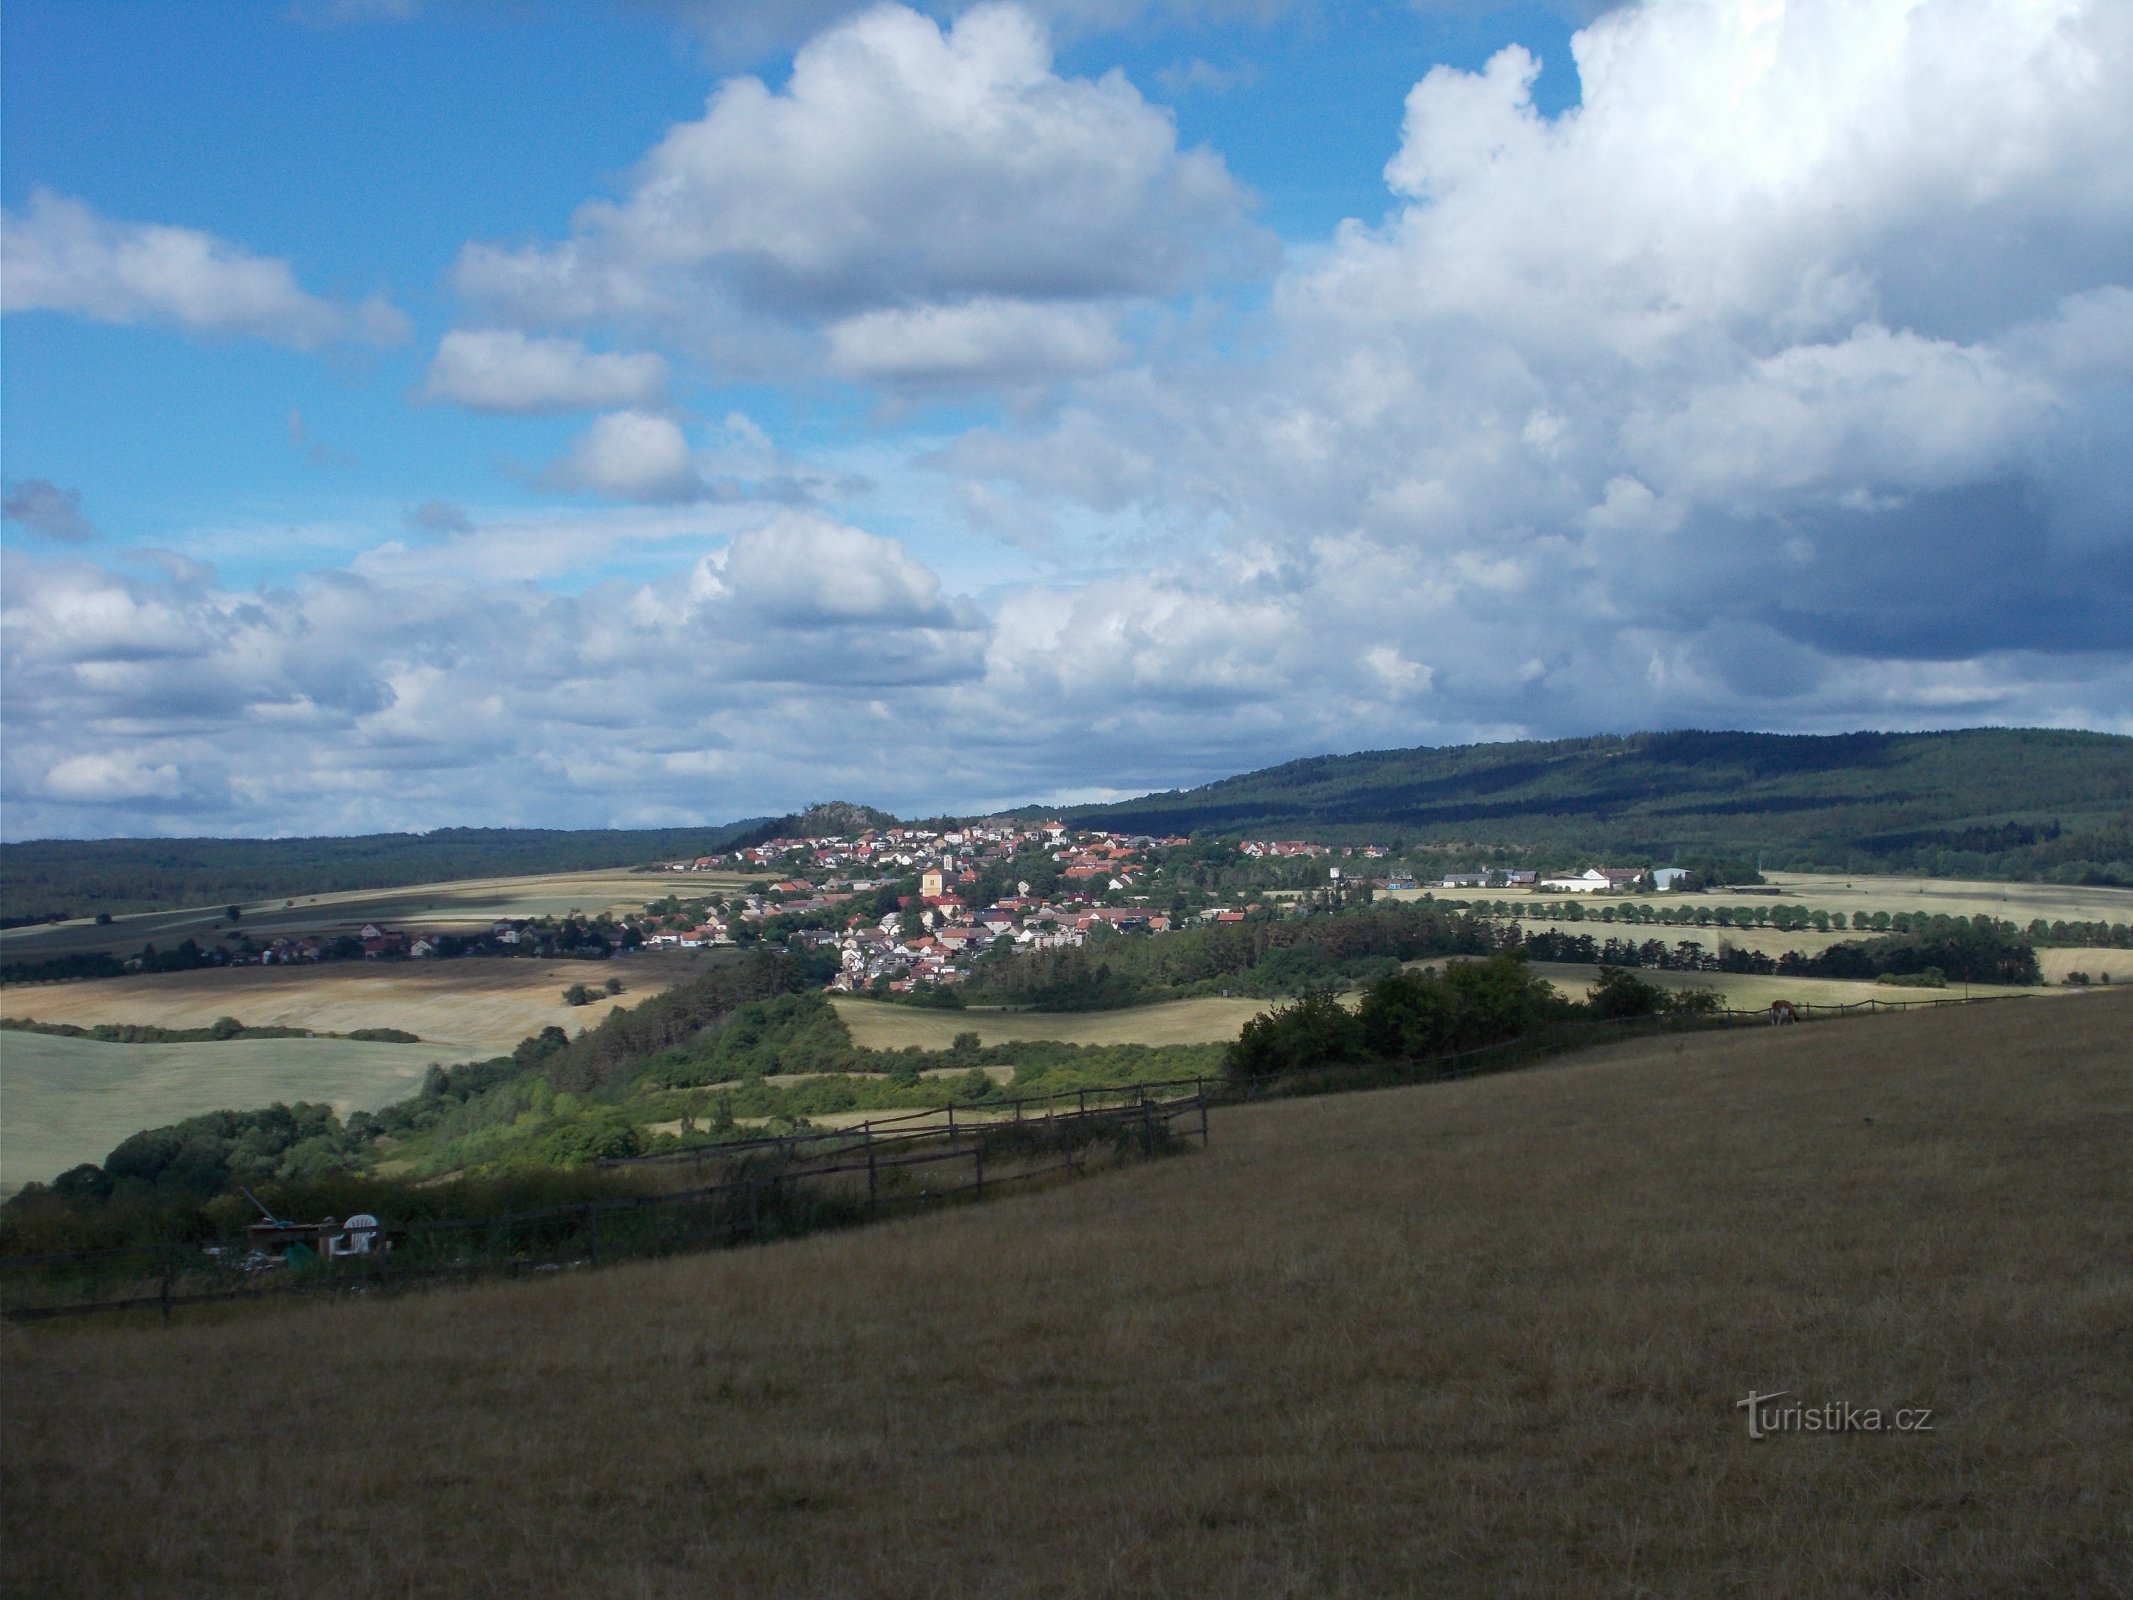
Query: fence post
[755, 1213]
[977, 1149]
[873, 1193]
[163, 1261]
[592, 1232]
[1148, 1125]
[1203, 1117]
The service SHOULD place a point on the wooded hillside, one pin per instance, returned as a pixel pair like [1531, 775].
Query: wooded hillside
[1984, 802]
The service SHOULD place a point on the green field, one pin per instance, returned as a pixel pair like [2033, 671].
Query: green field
[447, 907]
[65, 1101]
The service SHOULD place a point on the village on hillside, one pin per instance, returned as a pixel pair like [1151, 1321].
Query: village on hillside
[901, 941]
[905, 907]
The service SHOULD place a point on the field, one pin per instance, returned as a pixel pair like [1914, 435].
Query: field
[878, 1026]
[2012, 902]
[1753, 992]
[2116, 964]
[72, 1100]
[2019, 903]
[435, 907]
[1481, 1337]
[467, 1008]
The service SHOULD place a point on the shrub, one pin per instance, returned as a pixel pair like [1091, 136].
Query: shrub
[1314, 1031]
[1620, 994]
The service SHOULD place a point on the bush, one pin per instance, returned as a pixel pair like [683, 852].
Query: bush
[1406, 1016]
[1930, 978]
[1620, 994]
[1692, 1003]
[1314, 1031]
[577, 995]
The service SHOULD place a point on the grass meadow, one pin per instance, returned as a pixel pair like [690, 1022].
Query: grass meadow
[1480, 1337]
[68, 1101]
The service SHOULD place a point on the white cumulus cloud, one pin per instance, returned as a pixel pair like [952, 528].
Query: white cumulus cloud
[1792, 357]
[631, 455]
[502, 369]
[935, 178]
[59, 255]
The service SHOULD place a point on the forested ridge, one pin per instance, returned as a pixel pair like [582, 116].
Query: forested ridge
[80, 877]
[1987, 802]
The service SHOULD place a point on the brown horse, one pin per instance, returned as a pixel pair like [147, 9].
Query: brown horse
[1783, 1012]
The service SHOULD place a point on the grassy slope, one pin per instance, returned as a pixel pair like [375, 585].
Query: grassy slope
[1482, 1337]
[1803, 798]
[72, 1100]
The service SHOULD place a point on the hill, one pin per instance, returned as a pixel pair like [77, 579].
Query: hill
[42, 878]
[1482, 1337]
[1983, 802]
[829, 819]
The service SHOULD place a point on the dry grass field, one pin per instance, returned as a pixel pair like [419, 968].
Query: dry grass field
[1752, 992]
[2011, 902]
[1955, 897]
[65, 1101]
[2056, 964]
[447, 907]
[1484, 1337]
[467, 1008]
[892, 1027]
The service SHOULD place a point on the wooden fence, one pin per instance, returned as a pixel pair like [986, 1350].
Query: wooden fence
[768, 1189]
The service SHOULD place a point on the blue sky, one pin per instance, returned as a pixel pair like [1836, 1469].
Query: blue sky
[442, 411]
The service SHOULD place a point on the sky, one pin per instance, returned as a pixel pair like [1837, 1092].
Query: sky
[420, 413]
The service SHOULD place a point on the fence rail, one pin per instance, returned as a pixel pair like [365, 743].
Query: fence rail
[926, 1123]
